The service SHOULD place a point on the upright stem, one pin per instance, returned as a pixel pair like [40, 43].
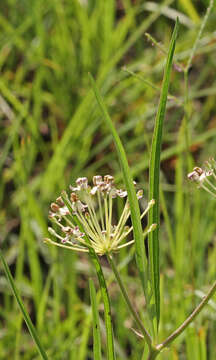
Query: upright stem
[145, 333]
[183, 326]
[106, 301]
[153, 354]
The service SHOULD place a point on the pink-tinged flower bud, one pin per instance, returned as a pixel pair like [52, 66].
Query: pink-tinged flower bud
[73, 197]
[64, 211]
[82, 183]
[97, 179]
[67, 229]
[205, 178]
[199, 175]
[195, 174]
[77, 232]
[121, 193]
[54, 207]
[108, 179]
[59, 201]
[94, 190]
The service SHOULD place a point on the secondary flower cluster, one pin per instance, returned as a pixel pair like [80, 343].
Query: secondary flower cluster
[205, 178]
[84, 219]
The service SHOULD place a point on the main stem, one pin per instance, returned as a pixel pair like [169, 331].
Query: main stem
[106, 302]
[145, 333]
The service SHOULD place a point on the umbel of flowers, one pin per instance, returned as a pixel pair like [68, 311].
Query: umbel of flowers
[84, 218]
[205, 178]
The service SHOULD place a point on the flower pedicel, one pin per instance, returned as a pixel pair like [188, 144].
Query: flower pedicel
[84, 219]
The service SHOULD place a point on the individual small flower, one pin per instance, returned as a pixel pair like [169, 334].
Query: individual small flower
[206, 177]
[84, 218]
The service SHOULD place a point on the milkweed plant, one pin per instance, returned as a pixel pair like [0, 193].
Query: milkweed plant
[84, 219]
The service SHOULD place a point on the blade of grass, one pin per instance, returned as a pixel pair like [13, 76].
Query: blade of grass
[96, 324]
[128, 180]
[154, 216]
[83, 347]
[26, 317]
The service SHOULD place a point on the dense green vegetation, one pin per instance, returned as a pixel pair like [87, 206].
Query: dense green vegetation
[52, 133]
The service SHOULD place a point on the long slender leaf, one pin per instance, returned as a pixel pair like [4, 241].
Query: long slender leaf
[154, 216]
[96, 324]
[128, 180]
[26, 317]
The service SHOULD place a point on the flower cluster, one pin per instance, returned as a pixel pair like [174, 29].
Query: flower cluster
[206, 177]
[84, 219]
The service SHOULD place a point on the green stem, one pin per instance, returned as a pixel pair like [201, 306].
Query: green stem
[145, 333]
[153, 354]
[183, 326]
[106, 302]
[102, 283]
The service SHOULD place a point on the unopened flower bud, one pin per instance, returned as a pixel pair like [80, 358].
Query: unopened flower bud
[195, 174]
[108, 179]
[67, 229]
[51, 231]
[121, 193]
[54, 207]
[73, 197]
[97, 179]
[59, 201]
[151, 202]
[82, 182]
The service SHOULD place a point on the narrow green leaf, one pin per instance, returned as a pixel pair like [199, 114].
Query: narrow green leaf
[154, 171]
[96, 324]
[26, 317]
[128, 180]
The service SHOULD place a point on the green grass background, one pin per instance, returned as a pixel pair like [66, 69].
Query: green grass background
[52, 133]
